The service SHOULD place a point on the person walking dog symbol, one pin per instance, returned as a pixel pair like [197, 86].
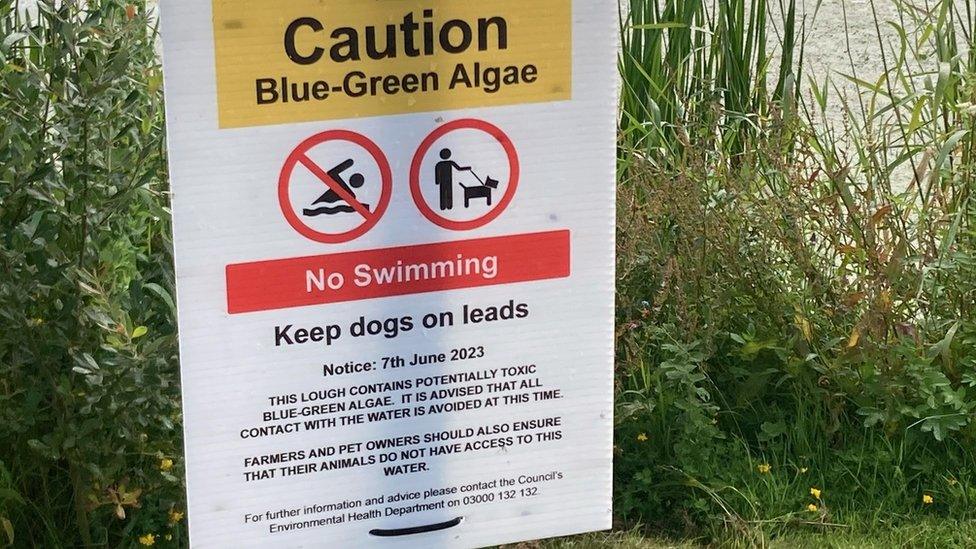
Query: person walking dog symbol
[444, 179]
[468, 158]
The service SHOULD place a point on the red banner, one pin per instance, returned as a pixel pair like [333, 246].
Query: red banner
[353, 276]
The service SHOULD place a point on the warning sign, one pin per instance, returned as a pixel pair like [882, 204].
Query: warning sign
[394, 236]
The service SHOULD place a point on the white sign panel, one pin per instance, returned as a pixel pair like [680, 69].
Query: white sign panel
[394, 232]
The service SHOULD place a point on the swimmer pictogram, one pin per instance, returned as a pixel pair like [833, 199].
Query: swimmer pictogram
[339, 183]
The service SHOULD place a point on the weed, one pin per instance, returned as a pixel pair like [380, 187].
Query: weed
[796, 300]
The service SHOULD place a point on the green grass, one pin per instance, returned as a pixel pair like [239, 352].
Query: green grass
[925, 533]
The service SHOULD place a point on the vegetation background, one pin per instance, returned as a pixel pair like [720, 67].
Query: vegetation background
[796, 329]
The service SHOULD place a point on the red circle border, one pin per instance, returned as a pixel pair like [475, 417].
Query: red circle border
[428, 142]
[284, 182]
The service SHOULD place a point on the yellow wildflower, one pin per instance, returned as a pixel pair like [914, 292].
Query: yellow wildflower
[928, 500]
[812, 508]
[764, 468]
[803, 470]
[165, 464]
[175, 516]
[148, 539]
[815, 492]
[953, 482]
[642, 437]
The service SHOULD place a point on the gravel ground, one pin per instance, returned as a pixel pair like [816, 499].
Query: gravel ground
[842, 39]
[836, 41]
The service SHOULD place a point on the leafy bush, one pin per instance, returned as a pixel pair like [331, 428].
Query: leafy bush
[89, 402]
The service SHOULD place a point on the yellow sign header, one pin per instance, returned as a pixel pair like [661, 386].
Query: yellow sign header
[305, 60]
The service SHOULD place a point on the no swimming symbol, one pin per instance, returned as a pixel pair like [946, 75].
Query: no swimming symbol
[338, 197]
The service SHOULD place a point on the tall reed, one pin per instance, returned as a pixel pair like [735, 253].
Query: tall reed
[704, 65]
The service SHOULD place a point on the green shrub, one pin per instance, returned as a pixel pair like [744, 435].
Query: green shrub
[89, 399]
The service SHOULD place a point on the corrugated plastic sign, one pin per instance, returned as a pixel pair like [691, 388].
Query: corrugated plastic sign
[394, 232]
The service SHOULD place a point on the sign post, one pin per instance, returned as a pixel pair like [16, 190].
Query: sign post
[394, 232]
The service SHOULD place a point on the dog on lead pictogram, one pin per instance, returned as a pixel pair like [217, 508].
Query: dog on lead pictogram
[444, 178]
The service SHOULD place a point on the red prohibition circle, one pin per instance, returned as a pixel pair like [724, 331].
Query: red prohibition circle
[299, 156]
[418, 158]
